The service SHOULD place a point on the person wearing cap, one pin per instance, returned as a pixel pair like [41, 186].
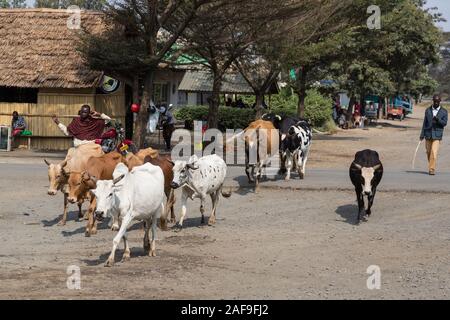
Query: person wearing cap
[435, 121]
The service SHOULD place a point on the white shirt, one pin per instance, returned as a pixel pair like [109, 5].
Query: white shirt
[77, 142]
[435, 111]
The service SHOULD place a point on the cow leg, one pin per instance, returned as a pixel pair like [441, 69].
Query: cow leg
[288, 165]
[371, 198]
[91, 227]
[304, 158]
[282, 163]
[171, 204]
[153, 243]
[127, 252]
[123, 228]
[64, 217]
[202, 210]
[183, 209]
[80, 212]
[214, 201]
[361, 209]
[146, 238]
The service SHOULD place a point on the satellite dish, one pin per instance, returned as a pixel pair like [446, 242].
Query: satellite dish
[109, 85]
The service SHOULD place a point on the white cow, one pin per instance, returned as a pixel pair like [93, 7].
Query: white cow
[199, 178]
[135, 195]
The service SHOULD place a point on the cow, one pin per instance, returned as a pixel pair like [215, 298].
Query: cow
[366, 172]
[135, 195]
[166, 164]
[260, 145]
[283, 124]
[295, 148]
[199, 178]
[81, 184]
[58, 177]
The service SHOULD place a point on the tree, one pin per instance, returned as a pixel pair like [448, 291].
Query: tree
[13, 3]
[223, 35]
[138, 36]
[64, 4]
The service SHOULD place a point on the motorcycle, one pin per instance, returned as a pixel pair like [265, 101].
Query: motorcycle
[114, 139]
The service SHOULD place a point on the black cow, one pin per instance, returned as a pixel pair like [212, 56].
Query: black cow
[366, 172]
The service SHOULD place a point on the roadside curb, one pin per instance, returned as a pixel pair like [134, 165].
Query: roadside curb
[328, 189]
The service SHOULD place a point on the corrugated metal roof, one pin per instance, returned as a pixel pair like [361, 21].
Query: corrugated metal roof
[202, 81]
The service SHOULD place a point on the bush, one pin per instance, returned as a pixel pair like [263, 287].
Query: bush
[229, 118]
[318, 111]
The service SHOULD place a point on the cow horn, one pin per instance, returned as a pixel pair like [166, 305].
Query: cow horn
[46, 162]
[357, 165]
[171, 162]
[191, 166]
[378, 166]
[118, 179]
[64, 163]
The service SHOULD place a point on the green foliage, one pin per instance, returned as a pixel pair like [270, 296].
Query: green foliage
[229, 118]
[63, 4]
[317, 108]
[13, 3]
[318, 111]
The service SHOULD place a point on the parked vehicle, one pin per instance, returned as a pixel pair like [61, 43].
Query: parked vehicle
[399, 107]
[114, 139]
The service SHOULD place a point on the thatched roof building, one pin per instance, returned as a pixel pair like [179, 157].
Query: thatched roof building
[38, 49]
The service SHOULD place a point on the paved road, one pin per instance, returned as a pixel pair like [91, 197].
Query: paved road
[316, 179]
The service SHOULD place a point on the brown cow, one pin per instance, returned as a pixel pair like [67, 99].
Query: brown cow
[261, 139]
[58, 179]
[81, 183]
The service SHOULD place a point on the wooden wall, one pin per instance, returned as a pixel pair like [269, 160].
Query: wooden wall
[65, 104]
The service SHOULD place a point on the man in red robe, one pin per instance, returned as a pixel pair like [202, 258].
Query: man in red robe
[85, 128]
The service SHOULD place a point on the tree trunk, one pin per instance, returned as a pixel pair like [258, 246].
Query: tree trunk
[142, 116]
[301, 93]
[350, 108]
[136, 89]
[213, 114]
[259, 105]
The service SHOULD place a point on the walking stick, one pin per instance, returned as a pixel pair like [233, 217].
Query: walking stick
[415, 154]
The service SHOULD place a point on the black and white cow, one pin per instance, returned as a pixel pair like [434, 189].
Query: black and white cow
[366, 172]
[282, 123]
[295, 147]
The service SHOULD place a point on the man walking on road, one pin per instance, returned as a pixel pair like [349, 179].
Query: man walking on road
[435, 121]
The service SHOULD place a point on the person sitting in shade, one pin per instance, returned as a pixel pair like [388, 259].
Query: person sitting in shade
[18, 124]
[85, 128]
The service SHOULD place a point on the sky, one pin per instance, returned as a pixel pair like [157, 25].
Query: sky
[442, 5]
[444, 8]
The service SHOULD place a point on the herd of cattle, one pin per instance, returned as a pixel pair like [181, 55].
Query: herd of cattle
[141, 186]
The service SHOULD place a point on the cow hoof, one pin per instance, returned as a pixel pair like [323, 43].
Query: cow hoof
[109, 263]
[211, 222]
[94, 231]
[87, 233]
[287, 179]
[126, 258]
[115, 228]
[302, 176]
[61, 223]
[152, 253]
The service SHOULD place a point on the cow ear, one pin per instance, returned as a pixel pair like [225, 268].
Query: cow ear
[118, 179]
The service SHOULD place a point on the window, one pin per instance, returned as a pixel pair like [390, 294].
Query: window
[161, 93]
[20, 95]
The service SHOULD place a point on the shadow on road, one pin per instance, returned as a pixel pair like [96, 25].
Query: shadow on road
[100, 226]
[135, 252]
[417, 172]
[349, 212]
[71, 216]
